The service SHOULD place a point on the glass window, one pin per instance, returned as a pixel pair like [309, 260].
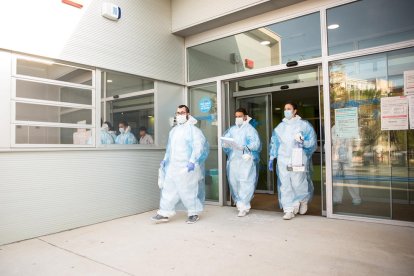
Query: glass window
[137, 112]
[291, 40]
[40, 135]
[57, 93]
[60, 96]
[203, 107]
[116, 84]
[55, 114]
[372, 168]
[368, 23]
[302, 76]
[53, 71]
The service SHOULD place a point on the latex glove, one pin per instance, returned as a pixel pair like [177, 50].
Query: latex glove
[271, 165]
[162, 164]
[299, 137]
[190, 166]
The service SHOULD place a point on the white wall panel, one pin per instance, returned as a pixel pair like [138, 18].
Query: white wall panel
[186, 13]
[48, 192]
[140, 43]
[5, 94]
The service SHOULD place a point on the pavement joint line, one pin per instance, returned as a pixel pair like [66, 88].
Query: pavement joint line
[85, 257]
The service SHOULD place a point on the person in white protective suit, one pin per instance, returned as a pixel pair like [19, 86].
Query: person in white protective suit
[183, 169]
[295, 187]
[341, 166]
[106, 136]
[125, 137]
[242, 161]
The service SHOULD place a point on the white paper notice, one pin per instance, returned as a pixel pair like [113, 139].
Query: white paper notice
[394, 113]
[346, 122]
[411, 110]
[409, 82]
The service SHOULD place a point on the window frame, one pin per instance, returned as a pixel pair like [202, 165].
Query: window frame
[14, 100]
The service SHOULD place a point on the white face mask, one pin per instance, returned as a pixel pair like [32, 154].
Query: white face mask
[105, 127]
[122, 130]
[239, 121]
[181, 119]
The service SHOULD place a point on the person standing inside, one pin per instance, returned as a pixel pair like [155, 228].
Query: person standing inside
[295, 187]
[125, 136]
[183, 164]
[144, 137]
[242, 161]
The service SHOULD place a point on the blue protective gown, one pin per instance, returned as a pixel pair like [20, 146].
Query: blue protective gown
[186, 143]
[106, 137]
[293, 187]
[126, 138]
[242, 174]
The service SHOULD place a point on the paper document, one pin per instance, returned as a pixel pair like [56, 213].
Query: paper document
[230, 142]
[297, 157]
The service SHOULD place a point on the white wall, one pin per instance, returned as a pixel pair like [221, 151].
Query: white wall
[186, 13]
[48, 192]
[5, 95]
[140, 43]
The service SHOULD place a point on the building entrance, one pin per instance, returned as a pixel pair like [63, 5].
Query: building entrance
[264, 99]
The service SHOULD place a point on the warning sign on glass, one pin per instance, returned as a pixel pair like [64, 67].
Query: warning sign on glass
[394, 113]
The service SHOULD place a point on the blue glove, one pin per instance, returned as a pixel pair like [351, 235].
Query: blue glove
[190, 166]
[162, 164]
[271, 165]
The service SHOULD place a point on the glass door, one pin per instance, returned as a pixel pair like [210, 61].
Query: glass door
[258, 107]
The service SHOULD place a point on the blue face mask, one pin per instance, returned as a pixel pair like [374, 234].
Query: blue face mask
[288, 114]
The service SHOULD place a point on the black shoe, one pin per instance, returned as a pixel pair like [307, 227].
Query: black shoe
[192, 219]
[159, 218]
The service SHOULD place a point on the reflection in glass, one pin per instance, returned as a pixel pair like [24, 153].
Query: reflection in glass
[52, 135]
[372, 175]
[120, 83]
[55, 114]
[203, 107]
[48, 92]
[295, 39]
[54, 71]
[369, 23]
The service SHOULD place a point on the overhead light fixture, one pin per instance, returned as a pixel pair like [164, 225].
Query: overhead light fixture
[109, 81]
[333, 26]
[149, 116]
[265, 42]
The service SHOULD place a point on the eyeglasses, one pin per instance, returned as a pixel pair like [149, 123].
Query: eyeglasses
[181, 113]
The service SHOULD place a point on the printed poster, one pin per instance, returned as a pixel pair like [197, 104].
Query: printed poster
[394, 113]
[346, 122]
[411, 110]
[409, 82]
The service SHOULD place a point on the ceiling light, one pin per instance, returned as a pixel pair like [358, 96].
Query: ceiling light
[265, 42]
[333, 26]
[109, 81]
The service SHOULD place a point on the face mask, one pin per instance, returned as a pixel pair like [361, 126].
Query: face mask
[288, 114]
[239, 121]
[181, 119]
[105, 127]
[122, 130]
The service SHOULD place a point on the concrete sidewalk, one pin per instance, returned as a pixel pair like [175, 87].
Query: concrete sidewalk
[219, 244]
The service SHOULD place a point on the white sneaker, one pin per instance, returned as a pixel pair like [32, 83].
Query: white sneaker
[296, 210]
[303, 208]
[242, 213]
[288, 216]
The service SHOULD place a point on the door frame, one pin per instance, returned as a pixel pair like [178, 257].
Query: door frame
[228, 109]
